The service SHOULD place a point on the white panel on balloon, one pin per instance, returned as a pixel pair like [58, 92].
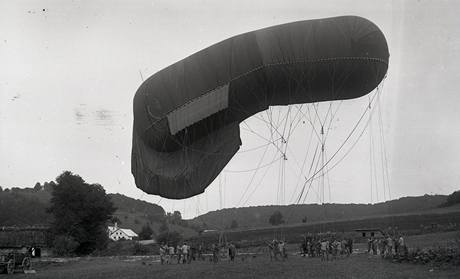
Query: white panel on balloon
[198, 109]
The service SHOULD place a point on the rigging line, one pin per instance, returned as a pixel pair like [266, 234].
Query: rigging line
[295, 160]
[311, 184]
[220, 191]
[328, 182]
[253, 175]
[309, 171]
[257, 186]
[303, 166]
[333, 117]
[322, 162]
[288, 149]
[268, 123]
[291, 130]
[351, 147]
[374, 162]
[257, 117]
[370, 155]
[254, 169]
[343, 143]
[316, 112]
[257, 147]
[142, 78]
[257, 134]
[382, 163]
[384, 153]
[281, 181]
[197, 212]
[349, 150]
[311, 123]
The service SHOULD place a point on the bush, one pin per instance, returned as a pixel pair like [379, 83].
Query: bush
[146, 232]
[276, 218]
[64, 245]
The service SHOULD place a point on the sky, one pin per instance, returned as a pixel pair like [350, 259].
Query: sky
[69, 71]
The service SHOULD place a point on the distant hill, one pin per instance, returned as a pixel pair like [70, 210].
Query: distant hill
[253, 217]
[27, 207]
[23, 207]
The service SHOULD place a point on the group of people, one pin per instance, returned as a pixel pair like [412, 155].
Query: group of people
[387, 245]
[185, 253]
[181, 253]
[326, 247]
[228, 248]
[277, 250]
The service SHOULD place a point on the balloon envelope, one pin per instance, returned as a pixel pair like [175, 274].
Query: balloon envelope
[186, 116]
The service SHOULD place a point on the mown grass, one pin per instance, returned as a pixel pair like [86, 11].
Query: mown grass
[356, 266]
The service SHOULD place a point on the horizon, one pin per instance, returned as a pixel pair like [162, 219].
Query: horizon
[72, 69]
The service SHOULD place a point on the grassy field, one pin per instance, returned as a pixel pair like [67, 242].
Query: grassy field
[356, 266]
[359, 265]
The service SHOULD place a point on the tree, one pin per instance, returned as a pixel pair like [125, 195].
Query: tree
[453, 198]
[276, 218]
[115, 219]
[234, 224]
[81, 212]
[170, 237]
[304, 219]
[146, 232]
[174, 218]
[49, 186]
[37, 187]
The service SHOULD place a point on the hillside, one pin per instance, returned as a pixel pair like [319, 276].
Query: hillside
[27, 207]
[251, 217]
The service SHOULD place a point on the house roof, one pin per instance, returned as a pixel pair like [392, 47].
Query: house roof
[127, 232]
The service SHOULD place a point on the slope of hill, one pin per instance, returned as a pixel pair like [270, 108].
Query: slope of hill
[23, 207]
[258, 216]
[27, 207]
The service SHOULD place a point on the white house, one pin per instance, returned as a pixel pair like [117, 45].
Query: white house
[116, 233]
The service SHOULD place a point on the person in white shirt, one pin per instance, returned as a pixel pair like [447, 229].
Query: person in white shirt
[185, 253]
[162, 254]
[324, 250]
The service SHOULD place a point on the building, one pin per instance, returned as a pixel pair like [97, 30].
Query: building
[37, 239]
[370, 232]
[116, 233]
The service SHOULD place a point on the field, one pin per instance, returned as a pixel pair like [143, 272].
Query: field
[359, 265]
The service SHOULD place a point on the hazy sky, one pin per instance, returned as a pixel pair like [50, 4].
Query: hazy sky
[69, 71]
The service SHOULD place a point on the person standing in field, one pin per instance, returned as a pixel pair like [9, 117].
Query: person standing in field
[350, 246]
[402, 246]
[185, 253]
[324, 250]
[171, 254]
[179, 253]
[162, 254]
[200, 252]
[215, 253]
[389, 246]
[282, 250]
[232, 251]
[272, 250]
